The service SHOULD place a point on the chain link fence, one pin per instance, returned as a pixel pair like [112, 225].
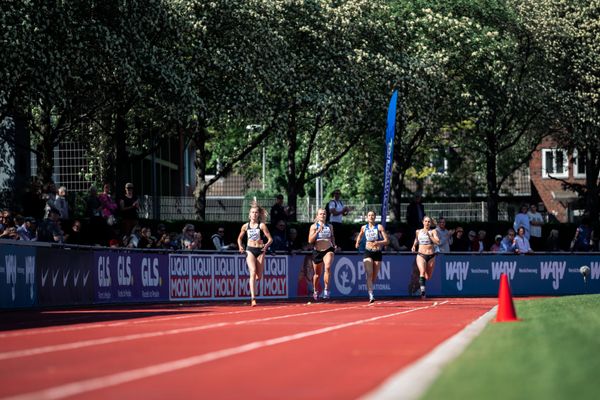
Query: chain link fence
[176, 208]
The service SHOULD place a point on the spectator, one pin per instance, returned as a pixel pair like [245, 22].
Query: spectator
[279, 237]
[48, 196]
[93, 206]
[49, 230]
[187, 236]
[552, 242]
[114, 243]
[129, 206]
[109, 207]
[474, 244]
[496, 248]
[415, 212]
[523, 246]
[147, 241]
[278, 211]
[583, 236]
[522, 219]
[133, 239]
[444, 235]
[218, 240]
[459, 241]
[293, 243]
[61, 203]
[535, 221]
[75, 236]
[27, 231]
[396, 241]
[508, 244]
[336, 209]
[481, 237]
[10, 233]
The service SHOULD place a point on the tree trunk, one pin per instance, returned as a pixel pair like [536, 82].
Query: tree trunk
[293, 184]
[45, 148]
[592, 169]
[201, 188]
[492, 185]
[121, 158]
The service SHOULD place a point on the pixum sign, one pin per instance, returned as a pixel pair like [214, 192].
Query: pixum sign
[224, 277]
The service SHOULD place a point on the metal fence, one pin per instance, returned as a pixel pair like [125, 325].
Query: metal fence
[236, 209]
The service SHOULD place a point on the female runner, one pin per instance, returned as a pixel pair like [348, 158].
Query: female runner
[321, 234]
[376, 238]
[425, 239]
[255, 248]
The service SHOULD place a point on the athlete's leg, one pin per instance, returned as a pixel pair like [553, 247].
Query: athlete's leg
[251, 262]
[327, 261]
[422, 265]
[318, 271]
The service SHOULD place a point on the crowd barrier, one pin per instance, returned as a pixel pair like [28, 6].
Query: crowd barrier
[46, 276]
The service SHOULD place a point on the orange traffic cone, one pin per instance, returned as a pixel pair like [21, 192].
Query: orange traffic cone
[506, 307]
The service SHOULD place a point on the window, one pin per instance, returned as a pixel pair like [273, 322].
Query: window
[578, 165]
[554, 163]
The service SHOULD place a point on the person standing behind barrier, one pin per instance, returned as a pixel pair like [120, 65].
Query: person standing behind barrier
[523, 246]
[376, 239]
[61, 203]
[425, 240]
[129, 206]
[255, 247]
[445, 236]
[415, 212]
[508, 244]
[459, 241]
[336, 208]
[522, 219]
[535, 221]
[583, 236]
[322, 235]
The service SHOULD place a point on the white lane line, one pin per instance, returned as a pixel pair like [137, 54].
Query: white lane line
[412, 382]
[137, 336]
[145, 320]
[88, 385]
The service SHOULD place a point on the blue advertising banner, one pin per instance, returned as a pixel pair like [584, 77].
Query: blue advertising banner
[122, 277]
[549, 274]
[349, 277]
[17, 276]
[224, 277]
[64, 277]
[390, 133]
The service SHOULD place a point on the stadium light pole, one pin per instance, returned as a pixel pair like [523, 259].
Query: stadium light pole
[252, 128]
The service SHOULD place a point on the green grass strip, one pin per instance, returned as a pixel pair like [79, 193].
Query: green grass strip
[552, 353]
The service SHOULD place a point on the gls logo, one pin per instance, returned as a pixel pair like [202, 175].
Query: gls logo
[503, 267]
[458, 270]
[554, 268]
[103, 271]
[150, 276]
[124, 275]
[344, 276]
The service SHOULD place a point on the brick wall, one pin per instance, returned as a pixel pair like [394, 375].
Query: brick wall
[550, 190]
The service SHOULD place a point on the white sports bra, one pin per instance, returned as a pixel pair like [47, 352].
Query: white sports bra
[424, 238]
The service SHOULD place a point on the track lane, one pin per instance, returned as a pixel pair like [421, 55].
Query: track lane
[90, 363]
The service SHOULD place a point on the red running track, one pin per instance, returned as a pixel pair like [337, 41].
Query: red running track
[333, 350]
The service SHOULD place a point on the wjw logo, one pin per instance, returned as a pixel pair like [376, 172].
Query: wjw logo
[503, 267]
[457, 270]
[554, 268]
[595, 267]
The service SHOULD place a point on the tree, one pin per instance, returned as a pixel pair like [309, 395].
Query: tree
[569, 33]
[494, 85]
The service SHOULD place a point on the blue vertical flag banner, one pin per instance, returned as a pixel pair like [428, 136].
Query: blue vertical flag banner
[390, 132]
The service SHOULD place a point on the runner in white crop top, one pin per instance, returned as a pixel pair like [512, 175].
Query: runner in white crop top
[425, 239]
